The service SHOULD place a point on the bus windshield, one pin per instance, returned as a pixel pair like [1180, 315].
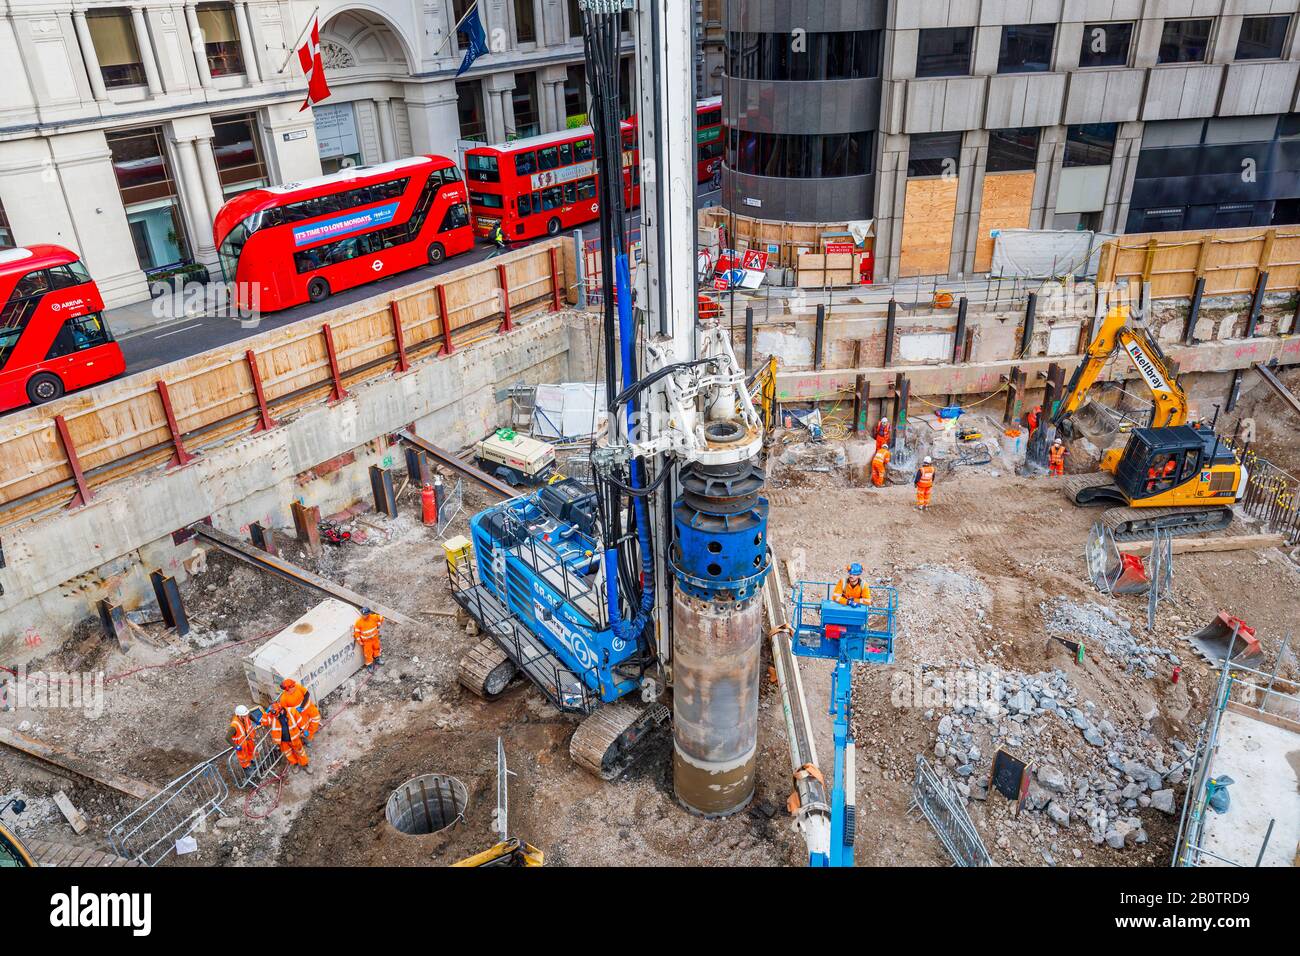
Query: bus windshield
[483, 168]
[8, 339]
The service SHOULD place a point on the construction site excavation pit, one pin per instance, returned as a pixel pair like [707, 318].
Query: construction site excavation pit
[427, 804]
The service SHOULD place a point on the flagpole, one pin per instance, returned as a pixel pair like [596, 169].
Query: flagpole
[452, 32]
[293, 47]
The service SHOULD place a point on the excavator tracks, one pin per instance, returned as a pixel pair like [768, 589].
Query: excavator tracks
[1136, 524]
[1092, 488]
[607, 742]
[486, 669]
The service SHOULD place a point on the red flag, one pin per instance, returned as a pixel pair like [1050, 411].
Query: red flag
[313, 67]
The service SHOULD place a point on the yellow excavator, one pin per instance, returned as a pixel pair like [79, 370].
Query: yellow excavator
[12, 851]
[1170, 476]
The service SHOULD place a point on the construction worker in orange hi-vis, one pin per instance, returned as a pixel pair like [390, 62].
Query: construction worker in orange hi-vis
[924, 481]
[852, 590]
[1056, 458]
[366, 632]
[1033, 420]
[293, 694]
[880, 465]
[286, 731]
[881, 433]
[243, 736]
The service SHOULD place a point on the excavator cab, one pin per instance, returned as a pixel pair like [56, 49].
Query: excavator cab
[1182, 464]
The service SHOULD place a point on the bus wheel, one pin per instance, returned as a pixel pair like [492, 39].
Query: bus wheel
[436, 253]
[44, 388]
[553, 227]
[318, 289]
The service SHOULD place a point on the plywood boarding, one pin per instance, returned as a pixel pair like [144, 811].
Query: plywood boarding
[930, 207]
[1229, 259]
[1006, 204]
[120, 428]
[745, 232]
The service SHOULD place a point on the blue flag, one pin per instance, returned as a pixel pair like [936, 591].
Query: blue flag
[472, 26]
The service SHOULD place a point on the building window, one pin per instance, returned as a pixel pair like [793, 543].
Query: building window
[1106, 44]
[460, 9]
[626, 87]
[810, 56]
[795, 156]
[575, 97]
[148, 192]
[1185, 41]
[1026, 48]
[238, 150]
[113, 35]
[525, 22]
[221, 39]
[944, 52]
[1092, 144]
[336, 136]
[933, 154]
[1262, 38]
[469, 108]
[527, 120]
[575, 19]
[6, 231]
[1012, 150]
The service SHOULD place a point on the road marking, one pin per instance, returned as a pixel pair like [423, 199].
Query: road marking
[178, 331]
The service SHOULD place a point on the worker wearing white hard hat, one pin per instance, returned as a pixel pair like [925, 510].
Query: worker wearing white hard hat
[243, 736]
[924, 482]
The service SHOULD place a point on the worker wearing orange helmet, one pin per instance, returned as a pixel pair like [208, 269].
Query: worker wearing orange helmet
[366, 633]
[293, 694]
[852, 590]
[243, 736]
[880, 465]
[881, 433]
[924, 481]
[1056, 458]
[287, 733]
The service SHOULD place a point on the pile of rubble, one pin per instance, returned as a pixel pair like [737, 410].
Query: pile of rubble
[1102, 627]
[1086, 772]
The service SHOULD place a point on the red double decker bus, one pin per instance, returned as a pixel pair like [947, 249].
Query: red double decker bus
[301, 242]
[53, 335]
[538, 186]
[708, 141]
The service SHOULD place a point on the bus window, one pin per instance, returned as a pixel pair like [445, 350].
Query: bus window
[487, 200]
[570, 194]
[483, 169]
[525, 204]
[65, 277]
[526, 163]
[566, 154]
[582, 150]
[551, 199]
[548, 157]
[457, 216]
[587, 189]
[8, 339]
[32, 284]
[77, 335]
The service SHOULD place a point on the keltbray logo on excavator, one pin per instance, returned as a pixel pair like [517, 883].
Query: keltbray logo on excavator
[1154, 378]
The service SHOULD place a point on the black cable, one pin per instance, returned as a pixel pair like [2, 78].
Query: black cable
[644, 383]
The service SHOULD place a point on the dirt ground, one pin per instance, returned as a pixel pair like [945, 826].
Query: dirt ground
[981, 577]
[1275, 422]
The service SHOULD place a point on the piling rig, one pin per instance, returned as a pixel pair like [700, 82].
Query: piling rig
[660, 602]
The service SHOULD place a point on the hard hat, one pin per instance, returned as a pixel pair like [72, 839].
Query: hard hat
[241, 711]
[855, 568]
[287, 683]
[928, 460]
[365, 612]
[1057, 442]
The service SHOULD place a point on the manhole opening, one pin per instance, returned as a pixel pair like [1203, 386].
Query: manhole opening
[427, 804]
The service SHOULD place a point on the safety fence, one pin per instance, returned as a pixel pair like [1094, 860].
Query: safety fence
[150, 832]
[450, 507]
[1272, 496]
[948, 817]
[593, 279]
[1220, 262]
[59, 454]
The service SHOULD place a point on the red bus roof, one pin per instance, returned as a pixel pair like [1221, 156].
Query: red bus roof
[25, 259]
[700, 107]
[533, 142]
[268, 197]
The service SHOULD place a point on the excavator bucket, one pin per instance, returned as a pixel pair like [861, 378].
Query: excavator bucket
[1131, 576]
[1094, 421]
[1225, 637]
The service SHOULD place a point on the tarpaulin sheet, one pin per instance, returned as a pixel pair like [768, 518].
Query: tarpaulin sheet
[1044, 253]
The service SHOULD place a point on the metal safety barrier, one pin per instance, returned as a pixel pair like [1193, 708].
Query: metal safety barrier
[149, 833]
[267, 756]
[947, 817]
[450, 507]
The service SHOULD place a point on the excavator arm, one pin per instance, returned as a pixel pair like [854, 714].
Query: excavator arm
[1146, 356]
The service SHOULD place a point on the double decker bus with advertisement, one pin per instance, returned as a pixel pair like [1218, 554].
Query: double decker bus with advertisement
[53, 334]
[542, 185]
[709, 143]
[282, 246]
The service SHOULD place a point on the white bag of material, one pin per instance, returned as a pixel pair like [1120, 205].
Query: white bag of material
[569, 410]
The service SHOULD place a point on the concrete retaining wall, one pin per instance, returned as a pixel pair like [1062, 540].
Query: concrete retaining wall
[59, 566]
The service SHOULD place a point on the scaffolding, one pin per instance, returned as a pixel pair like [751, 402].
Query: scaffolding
[1246, 691]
